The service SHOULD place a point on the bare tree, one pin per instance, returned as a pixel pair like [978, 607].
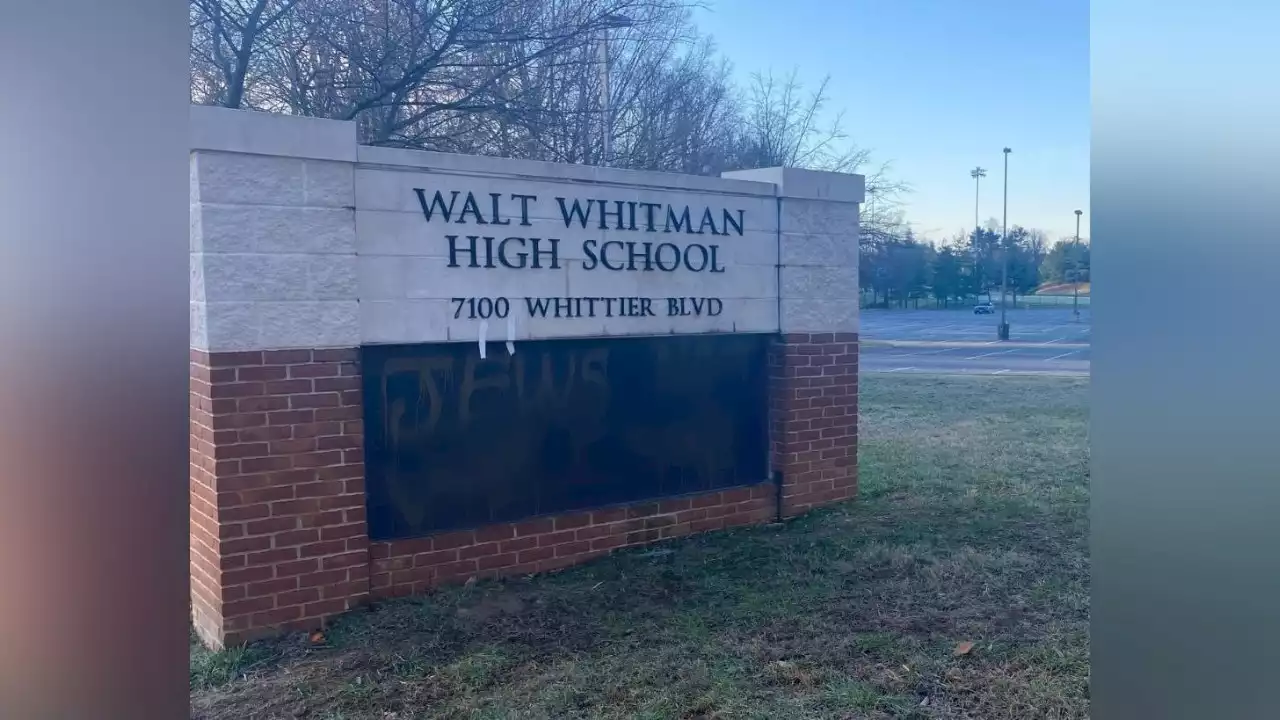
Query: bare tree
[685, 119]
[522, 78]
[659, 72]
[409, 72]
[782, 126]
[226, 38]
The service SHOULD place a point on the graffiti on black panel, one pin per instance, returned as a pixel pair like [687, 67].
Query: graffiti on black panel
[454, 440]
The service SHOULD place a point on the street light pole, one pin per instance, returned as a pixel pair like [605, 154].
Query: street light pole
[1075, 271]
[606, 102]
[977, 174]
[1003, 331]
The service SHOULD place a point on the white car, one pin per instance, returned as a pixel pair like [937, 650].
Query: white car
[985, 308]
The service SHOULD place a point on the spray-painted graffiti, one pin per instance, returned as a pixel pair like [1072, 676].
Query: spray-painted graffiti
[454, 440]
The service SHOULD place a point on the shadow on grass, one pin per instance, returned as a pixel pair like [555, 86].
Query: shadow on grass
[971, 526]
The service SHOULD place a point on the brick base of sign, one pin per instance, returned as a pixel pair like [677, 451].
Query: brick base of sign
[279, 540]
[814, 418]
[408, 567]
[278, 533]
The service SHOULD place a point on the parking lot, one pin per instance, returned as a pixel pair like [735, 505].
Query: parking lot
[1041, 342]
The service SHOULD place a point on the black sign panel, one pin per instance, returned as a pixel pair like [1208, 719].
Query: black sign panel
[453, 441]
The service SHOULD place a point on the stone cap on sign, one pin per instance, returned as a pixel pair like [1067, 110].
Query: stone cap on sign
[259, 133]
[518, 169]
[807, 184]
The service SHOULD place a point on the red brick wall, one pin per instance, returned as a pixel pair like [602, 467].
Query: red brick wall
[814, 418]
[405, 567]
[278, 533]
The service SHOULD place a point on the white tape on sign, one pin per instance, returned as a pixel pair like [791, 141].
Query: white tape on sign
[484, 330]
[511, 335]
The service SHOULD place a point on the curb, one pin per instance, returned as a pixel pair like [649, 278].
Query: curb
[982, 373]
[969, 344]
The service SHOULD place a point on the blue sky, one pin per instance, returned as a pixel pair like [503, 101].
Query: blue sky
[936, 87]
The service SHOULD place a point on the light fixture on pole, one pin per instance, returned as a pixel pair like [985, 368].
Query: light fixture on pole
[607, 23]
[977, 174]
[1003, 331]
[1075, 270]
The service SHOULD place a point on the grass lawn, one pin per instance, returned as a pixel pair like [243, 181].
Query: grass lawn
[971, 526]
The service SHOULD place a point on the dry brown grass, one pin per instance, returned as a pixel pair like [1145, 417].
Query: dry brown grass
[971, 526]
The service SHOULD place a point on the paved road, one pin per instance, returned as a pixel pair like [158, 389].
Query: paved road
[1039, 325]
[1042, 342]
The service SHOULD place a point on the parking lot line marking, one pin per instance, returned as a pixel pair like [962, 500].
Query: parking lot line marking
[997, 352]
[1055, 357]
